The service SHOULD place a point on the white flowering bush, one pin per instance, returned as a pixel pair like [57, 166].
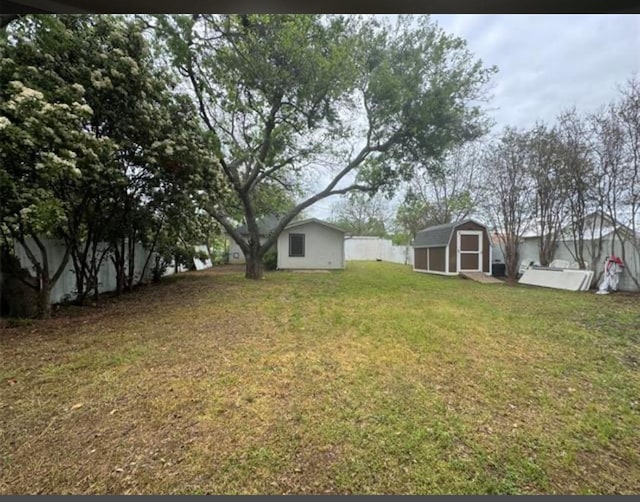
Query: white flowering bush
[95, 146]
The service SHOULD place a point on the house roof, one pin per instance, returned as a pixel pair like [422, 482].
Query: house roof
[594, 228]
[294, 224]
[439, 235]
[265, 225]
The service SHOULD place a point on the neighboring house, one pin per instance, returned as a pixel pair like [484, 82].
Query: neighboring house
[600, 241]
[497, 241]
[463, 246]
[265, 226]
[311, 244]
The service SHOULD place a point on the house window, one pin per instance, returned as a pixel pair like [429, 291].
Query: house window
[296, 245]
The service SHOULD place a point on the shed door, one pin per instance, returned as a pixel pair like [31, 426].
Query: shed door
[469, 251]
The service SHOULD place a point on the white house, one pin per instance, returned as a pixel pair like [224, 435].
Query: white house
[600, 240]
[265, 226]
[311, 244]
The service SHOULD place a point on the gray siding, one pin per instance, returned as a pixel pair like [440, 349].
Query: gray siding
[324, 248]
[235, 249]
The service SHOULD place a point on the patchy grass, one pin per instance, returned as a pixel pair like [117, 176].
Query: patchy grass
[371, 380]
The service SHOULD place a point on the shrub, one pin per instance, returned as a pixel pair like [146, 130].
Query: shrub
[159, 268]
[270, 260]
[203, 256]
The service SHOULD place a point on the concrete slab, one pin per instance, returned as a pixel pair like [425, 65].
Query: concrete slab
[480, 277]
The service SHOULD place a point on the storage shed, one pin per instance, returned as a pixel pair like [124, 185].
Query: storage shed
[449, 249]
[311, 244]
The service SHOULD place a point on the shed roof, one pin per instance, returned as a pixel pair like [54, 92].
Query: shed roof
[439, 235]
[294, 224]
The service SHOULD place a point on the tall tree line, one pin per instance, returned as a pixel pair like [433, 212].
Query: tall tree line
[97, 149]
[351, 103]
[549, 180]
[118, 130]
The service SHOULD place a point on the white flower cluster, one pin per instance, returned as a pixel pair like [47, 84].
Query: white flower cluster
[165, 147]
[25, 93]
[4, 122]
[116, 74]
[57, 161]
[100, 81]
[131, 63]
[83, 108]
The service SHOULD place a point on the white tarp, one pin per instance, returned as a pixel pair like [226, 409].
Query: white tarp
[613, 267]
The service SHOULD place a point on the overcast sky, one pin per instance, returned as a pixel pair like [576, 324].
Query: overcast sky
[546, 63]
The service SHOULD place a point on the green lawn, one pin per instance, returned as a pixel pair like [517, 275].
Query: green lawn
[371, 380]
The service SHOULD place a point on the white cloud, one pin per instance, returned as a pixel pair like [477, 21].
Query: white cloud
[548, 63]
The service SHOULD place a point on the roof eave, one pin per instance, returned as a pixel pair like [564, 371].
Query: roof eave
[314, 220]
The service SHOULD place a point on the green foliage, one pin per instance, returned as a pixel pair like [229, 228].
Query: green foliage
[361, 214]
[96, 143]
[202, 256]
[160, 265]
[442, 190]
[184, 257]
[270, 260]
[285, 95]
[46, 147]
[412, 216]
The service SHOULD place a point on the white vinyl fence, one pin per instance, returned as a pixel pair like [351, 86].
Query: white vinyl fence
[595, 257]
[65, 287]
[376, 248]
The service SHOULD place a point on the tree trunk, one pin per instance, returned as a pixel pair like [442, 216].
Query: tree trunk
[44, 307]
[511, 258]
[254, 267]
[118, 263]
[150, 252]
[131, 262]
[79, 273]
[42, 269]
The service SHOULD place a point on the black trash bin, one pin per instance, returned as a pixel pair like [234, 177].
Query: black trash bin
[498, 270]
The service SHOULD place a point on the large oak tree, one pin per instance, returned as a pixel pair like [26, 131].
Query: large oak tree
[350, 103]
